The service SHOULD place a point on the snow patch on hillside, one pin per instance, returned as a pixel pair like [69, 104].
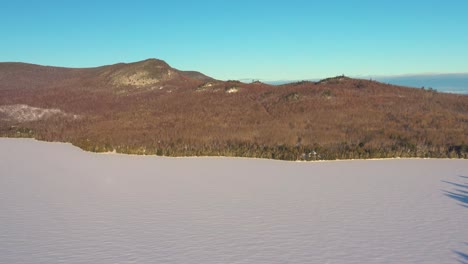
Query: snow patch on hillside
[232, 90]
[26, 113]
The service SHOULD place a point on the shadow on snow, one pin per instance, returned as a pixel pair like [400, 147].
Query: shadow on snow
[462, 257]
[459, 194]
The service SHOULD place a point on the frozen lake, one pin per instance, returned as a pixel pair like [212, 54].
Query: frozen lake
[59, 204]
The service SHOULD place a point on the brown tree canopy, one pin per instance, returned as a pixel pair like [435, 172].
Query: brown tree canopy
[149, 107]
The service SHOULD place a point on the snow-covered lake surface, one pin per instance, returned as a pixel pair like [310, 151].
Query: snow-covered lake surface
[59, 204]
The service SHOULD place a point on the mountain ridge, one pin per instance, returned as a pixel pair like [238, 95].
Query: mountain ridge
[443, 82]
[148, 107]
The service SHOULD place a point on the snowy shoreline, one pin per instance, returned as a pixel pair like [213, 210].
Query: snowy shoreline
[223, 157]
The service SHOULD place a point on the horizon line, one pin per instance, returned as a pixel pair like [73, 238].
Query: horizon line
[365, 76]
[362, 76]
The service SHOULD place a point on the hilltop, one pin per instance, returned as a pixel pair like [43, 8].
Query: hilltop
[148, 107]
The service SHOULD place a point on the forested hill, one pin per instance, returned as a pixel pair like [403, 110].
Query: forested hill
[148, 107]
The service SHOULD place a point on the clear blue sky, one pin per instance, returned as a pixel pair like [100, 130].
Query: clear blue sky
[266, 40]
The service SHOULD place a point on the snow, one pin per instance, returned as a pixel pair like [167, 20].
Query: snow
[61, 204]
[233, 90]
[26, 113]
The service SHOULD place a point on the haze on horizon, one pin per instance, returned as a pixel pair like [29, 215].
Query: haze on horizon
[239, 40]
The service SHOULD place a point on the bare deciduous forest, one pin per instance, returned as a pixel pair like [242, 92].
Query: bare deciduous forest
[150, 108]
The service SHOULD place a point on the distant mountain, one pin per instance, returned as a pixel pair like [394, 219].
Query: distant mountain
[149, 107]
[450, 83]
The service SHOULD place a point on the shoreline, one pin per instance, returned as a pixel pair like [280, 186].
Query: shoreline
[223, 157]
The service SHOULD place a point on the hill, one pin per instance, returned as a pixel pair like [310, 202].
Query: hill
[148, 107]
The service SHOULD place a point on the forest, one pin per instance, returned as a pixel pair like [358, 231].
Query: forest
[149, 108]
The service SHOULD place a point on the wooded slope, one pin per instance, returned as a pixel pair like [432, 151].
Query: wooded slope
[149, 107]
